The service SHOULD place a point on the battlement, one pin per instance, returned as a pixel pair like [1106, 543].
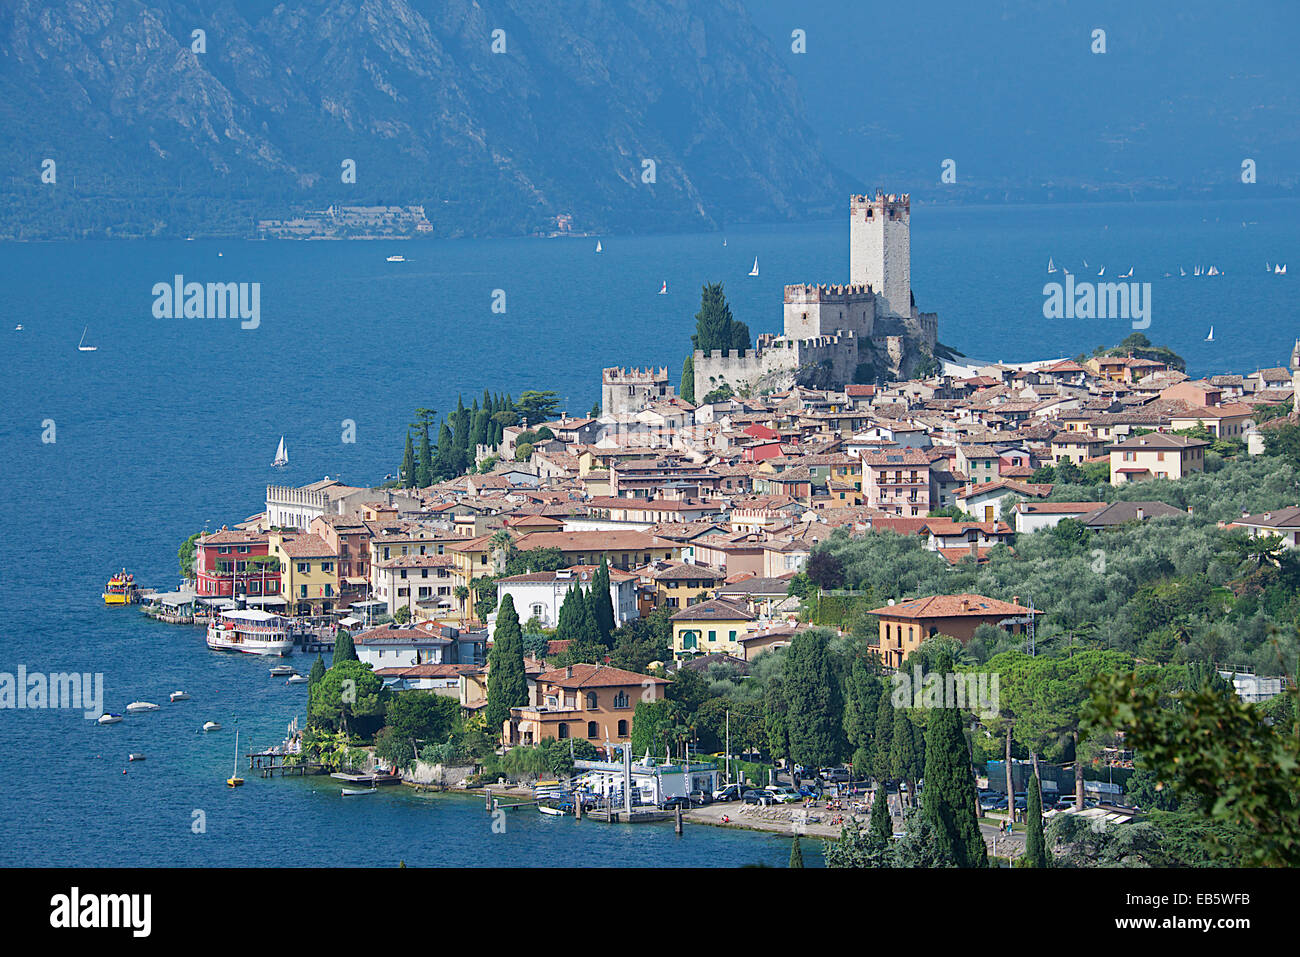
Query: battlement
[619, 376]
[891, 205]
[804, 292]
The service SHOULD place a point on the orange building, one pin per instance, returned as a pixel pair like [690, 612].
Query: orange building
[582, 701]
[905, 625]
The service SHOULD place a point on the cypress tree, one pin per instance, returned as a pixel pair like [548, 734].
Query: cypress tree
[862, 692]
[882, 746]
[424, 467]
[812, 702]
[905, 761]
[448, 463]
[796, 852]
[882, 828]
[507, 679]
[408, 463]
[343, 648]
[687, 388]
[948, 804]
[1035, 842]
[317, 671]
[602, 605]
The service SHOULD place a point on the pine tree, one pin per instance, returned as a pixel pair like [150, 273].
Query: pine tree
[408, 463]
[948, 803]
[796, 853]
[1035, 842]
[343, 648]
[507, 679]
[882, 827]
[714, 326]
[812, 702]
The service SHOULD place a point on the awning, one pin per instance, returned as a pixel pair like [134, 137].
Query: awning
[218, 602]
[354, 581]
[349, 621]
[266, 600]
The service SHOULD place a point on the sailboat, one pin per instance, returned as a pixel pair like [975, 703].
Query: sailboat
[81, 346]
[754, 271]
[1127, 275]
[281, 456]
[598, 248]
[724, 240]
[1214, 271]
[1102, 271]
[663, 290]
[1085, 264]
[235, 780]
[1280, 270]
[1051, 266]
[1182, 271]
[1210, 337]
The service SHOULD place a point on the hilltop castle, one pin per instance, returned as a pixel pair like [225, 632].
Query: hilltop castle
[834, 334]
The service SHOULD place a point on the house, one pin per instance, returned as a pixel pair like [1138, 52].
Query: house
[676, 585]
[1077, 447]
[621, 549]
[1117, 513]
[424, 584]
[404, 646]
[1229, 421]
[777, 636]
[710, 626]
[540, 594]
[1283, 521]
[582, 701]
[441, 679]
[1155, 455]
[903, 626]
[1031, 516]
[235, 562]
[898, 481]
[308, 572]
[988, 501]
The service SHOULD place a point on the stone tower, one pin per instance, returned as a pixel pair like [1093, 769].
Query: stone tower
[880, 250]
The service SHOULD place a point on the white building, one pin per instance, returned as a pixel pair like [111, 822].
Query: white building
[404, 646]
[651, 784]
[540, 594]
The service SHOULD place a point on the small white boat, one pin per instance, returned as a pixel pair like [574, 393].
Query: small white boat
[357, 792]
[754, 271]
[109, 718]
[724, 240]
[553, 811]
[178, 696]
[1085, 264]
[663, 290]
[280, 671]
[1102, 271]
[135, 756]
[598, 249]
[1182, 271]
[139, 707]
[211, 726]
[18, 328]
[1127, 275]
[1051, 266]
[81, 346]
[396, 259]
[297, 680]
[281, 456]
[1210, 337]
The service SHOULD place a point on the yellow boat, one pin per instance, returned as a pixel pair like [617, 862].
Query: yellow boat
[121, 589]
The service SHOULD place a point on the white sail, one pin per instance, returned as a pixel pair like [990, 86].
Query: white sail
[598, 245]
[281, 456]
[81, 345]
[663, 290]
[754, 271]
[1051, 266]
[1210, 337]
[1102, 271]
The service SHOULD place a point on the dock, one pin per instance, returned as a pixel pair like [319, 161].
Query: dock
[369, 780]
[268, 764]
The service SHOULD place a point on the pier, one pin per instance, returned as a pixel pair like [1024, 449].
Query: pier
[369, 780]
[270, 763]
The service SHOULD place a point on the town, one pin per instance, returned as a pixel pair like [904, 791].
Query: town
[699, 601]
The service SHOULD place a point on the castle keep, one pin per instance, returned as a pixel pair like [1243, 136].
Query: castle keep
[868, 328]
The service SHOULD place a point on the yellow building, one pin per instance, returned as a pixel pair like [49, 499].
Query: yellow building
[710, 626]
[309, 577]
[679, 584]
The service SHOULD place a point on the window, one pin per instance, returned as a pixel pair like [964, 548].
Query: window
[713, 636]
[327, 566]
[620, 701]
[304, 568]
[563, 730]
[592, 730]
[622, 729]
[591, 701]
[302, 591]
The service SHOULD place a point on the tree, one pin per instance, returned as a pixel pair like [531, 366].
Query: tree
[862, 692]
[906, 753]
[882, 745]
[507, 679]
[812, 701]
[774, 712]
[344, 650]
[882, 825]
[948, 803]
[650, 720]
[1035, 845]
[796, 853]
[186, 554]
[537, 406]
[349, 697]
[825, 569]
[602, 604]
[714, 326]
[408, 463]
[687, 388]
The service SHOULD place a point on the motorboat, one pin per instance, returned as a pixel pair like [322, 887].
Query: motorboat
[108, 719]
[297, 680]
[211, 726]
[178, 696]
[135, 756]
[281, 670]
[139, 707]
[357, 792]
[121, 589]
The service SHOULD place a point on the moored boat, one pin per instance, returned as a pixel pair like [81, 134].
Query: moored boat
[357, 792]
[121, 589]
[280, 670]
[178, 696]
[108, 718]
[139, 707]
[297, 680]
[251, 631]
[135, 756]
[211, 726]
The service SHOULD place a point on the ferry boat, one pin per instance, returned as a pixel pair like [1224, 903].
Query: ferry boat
[121, 589]
[251, 631]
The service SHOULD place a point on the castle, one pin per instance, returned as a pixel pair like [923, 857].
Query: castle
[834, 334]
[631, 390]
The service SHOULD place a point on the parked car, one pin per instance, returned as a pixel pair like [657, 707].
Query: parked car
[673, 803]
[701, 798]
[783, 794]
[732, 792]
[835, 775]
[758, 797]
[993, 802]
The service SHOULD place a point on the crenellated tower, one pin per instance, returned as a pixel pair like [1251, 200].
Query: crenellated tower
[880, 250]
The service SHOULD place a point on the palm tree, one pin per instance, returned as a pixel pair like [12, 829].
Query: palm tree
[501, 543]
[461, 592]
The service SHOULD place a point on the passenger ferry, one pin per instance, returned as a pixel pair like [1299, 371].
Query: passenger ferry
[121, 589]
[251, 631]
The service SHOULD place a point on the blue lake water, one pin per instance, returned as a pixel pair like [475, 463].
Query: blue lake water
[173, 423]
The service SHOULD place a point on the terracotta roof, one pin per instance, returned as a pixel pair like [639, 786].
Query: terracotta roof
[713, 610]
[597, 676]
[306, 546]
[952, 606]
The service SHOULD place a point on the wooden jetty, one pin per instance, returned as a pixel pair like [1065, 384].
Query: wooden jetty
[271, 763]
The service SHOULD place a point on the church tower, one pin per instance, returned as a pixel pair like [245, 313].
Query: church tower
[880, 250]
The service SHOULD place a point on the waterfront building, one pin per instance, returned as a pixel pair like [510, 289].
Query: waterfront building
[232, 562]
[594, 702]
[309, 579]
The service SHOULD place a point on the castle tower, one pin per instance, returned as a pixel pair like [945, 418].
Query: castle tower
[880, 250]
[1295, 379]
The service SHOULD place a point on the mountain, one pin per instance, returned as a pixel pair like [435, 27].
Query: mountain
[150, 137]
